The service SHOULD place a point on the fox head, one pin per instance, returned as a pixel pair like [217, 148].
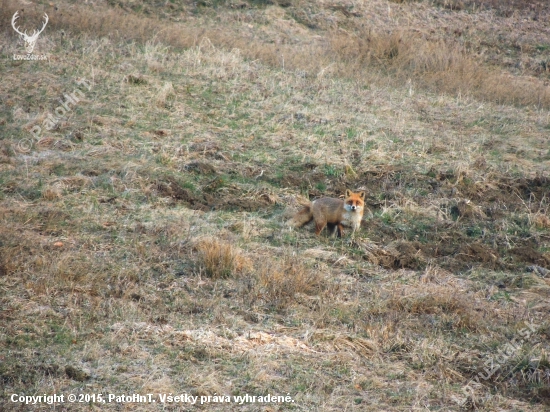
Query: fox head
[354, 201]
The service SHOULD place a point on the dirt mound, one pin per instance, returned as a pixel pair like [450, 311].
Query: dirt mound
[211, 199]
[396, 255]
[201, 167]
[459, 221]
[173, 189]
[478, 252]
[530, 255]
[239, 204]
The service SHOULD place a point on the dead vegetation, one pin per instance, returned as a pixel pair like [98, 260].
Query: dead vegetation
[220, 259]
[281, 282]
[435, 65]
[142, 241]
[383, 52]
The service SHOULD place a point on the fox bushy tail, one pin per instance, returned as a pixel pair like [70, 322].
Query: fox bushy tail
[304, 216]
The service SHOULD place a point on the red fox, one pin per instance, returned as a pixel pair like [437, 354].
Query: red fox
[334, 213]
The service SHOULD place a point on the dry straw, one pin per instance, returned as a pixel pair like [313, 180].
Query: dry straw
[363, 54]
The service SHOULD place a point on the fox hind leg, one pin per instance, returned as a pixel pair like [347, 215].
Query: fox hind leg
[319, 226]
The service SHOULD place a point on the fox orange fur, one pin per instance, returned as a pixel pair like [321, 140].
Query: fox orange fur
[334, 213]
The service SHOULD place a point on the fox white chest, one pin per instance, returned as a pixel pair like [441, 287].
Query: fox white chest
[352, 218]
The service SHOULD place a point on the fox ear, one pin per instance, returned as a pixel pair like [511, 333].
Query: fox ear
[348, 193]
[362, 195]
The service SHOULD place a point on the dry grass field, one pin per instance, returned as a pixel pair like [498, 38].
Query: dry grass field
[143, 237]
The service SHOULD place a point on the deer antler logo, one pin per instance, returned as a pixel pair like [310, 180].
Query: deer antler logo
[30, 41]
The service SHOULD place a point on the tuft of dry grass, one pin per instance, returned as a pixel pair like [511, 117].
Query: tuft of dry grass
[219, 259]
[541, 220]
[459, 309]
[279, 282]
[51, 193]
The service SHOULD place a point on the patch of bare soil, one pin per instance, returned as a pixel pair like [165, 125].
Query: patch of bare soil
[172, 189]
[235, 203]
[302, 179]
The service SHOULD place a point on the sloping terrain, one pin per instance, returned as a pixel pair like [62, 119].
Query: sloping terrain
[143, 237]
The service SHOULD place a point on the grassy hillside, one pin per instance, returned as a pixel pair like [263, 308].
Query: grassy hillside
[143, 238]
